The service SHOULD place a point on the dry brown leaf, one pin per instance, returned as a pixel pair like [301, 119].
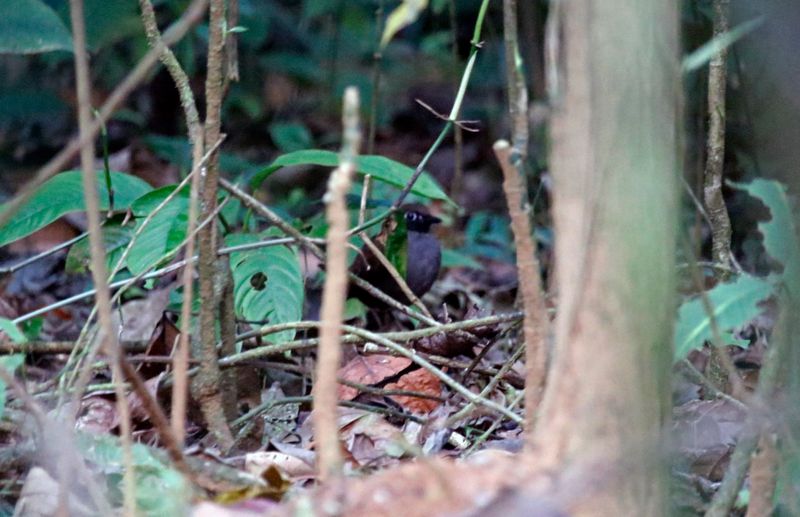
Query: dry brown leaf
[369, 369]
[419, 380]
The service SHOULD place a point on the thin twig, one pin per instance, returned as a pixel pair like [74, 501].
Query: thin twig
[453, 117]
[536, 323]
[39, 256]
[487, 390]
[421, 361]
[108, 337]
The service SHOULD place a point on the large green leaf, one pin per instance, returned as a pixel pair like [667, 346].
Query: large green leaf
[30, 27]
[268, 283]
[779, 232]
[163, 233]
[380, 167]
[63, 194]
[733, 304]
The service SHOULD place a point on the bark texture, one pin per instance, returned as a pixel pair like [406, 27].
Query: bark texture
[615, 163]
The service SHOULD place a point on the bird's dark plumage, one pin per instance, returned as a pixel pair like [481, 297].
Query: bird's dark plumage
[422, 266]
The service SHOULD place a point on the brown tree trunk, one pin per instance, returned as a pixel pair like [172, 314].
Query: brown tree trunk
[615, 164]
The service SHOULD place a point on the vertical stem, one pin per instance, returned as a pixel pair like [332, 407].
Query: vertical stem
[715, 161]
[536, 324]
[98, 259]
[458, 134]
[181, 357]
[512, 161]
[329, 352]
[207, 383]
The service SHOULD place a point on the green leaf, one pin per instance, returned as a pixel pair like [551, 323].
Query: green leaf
[115, 239]
[380, 167]
[290, 137]
[30, 27]
[733, 304]
[12, 331]
[165, 231]
[397, 246]
[402, 16]
[10, 362]
[160, 490]
[63, 194]
[706, 52]
[267, 283]
[779, 232]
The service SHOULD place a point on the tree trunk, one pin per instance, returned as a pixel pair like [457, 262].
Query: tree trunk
[614, 163]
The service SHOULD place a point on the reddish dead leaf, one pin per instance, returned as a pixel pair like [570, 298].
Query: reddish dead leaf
[369, 369]
[419, 380]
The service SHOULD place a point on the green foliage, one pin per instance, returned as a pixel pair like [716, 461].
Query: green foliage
[736, 302]
[397, 246]
[267, 283]
[115, 239]
[733, 304]
[9, 362]
[380, 167]
[779, 232]
[163, 233]
[489, 236]
[160, 490]
[30, 27]
[290, 137]
[63, 194]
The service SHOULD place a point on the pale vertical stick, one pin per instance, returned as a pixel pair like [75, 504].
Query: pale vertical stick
[326, 435]
[536, 323]
[98, 255]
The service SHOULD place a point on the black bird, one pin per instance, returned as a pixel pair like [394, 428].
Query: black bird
[424, 258]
